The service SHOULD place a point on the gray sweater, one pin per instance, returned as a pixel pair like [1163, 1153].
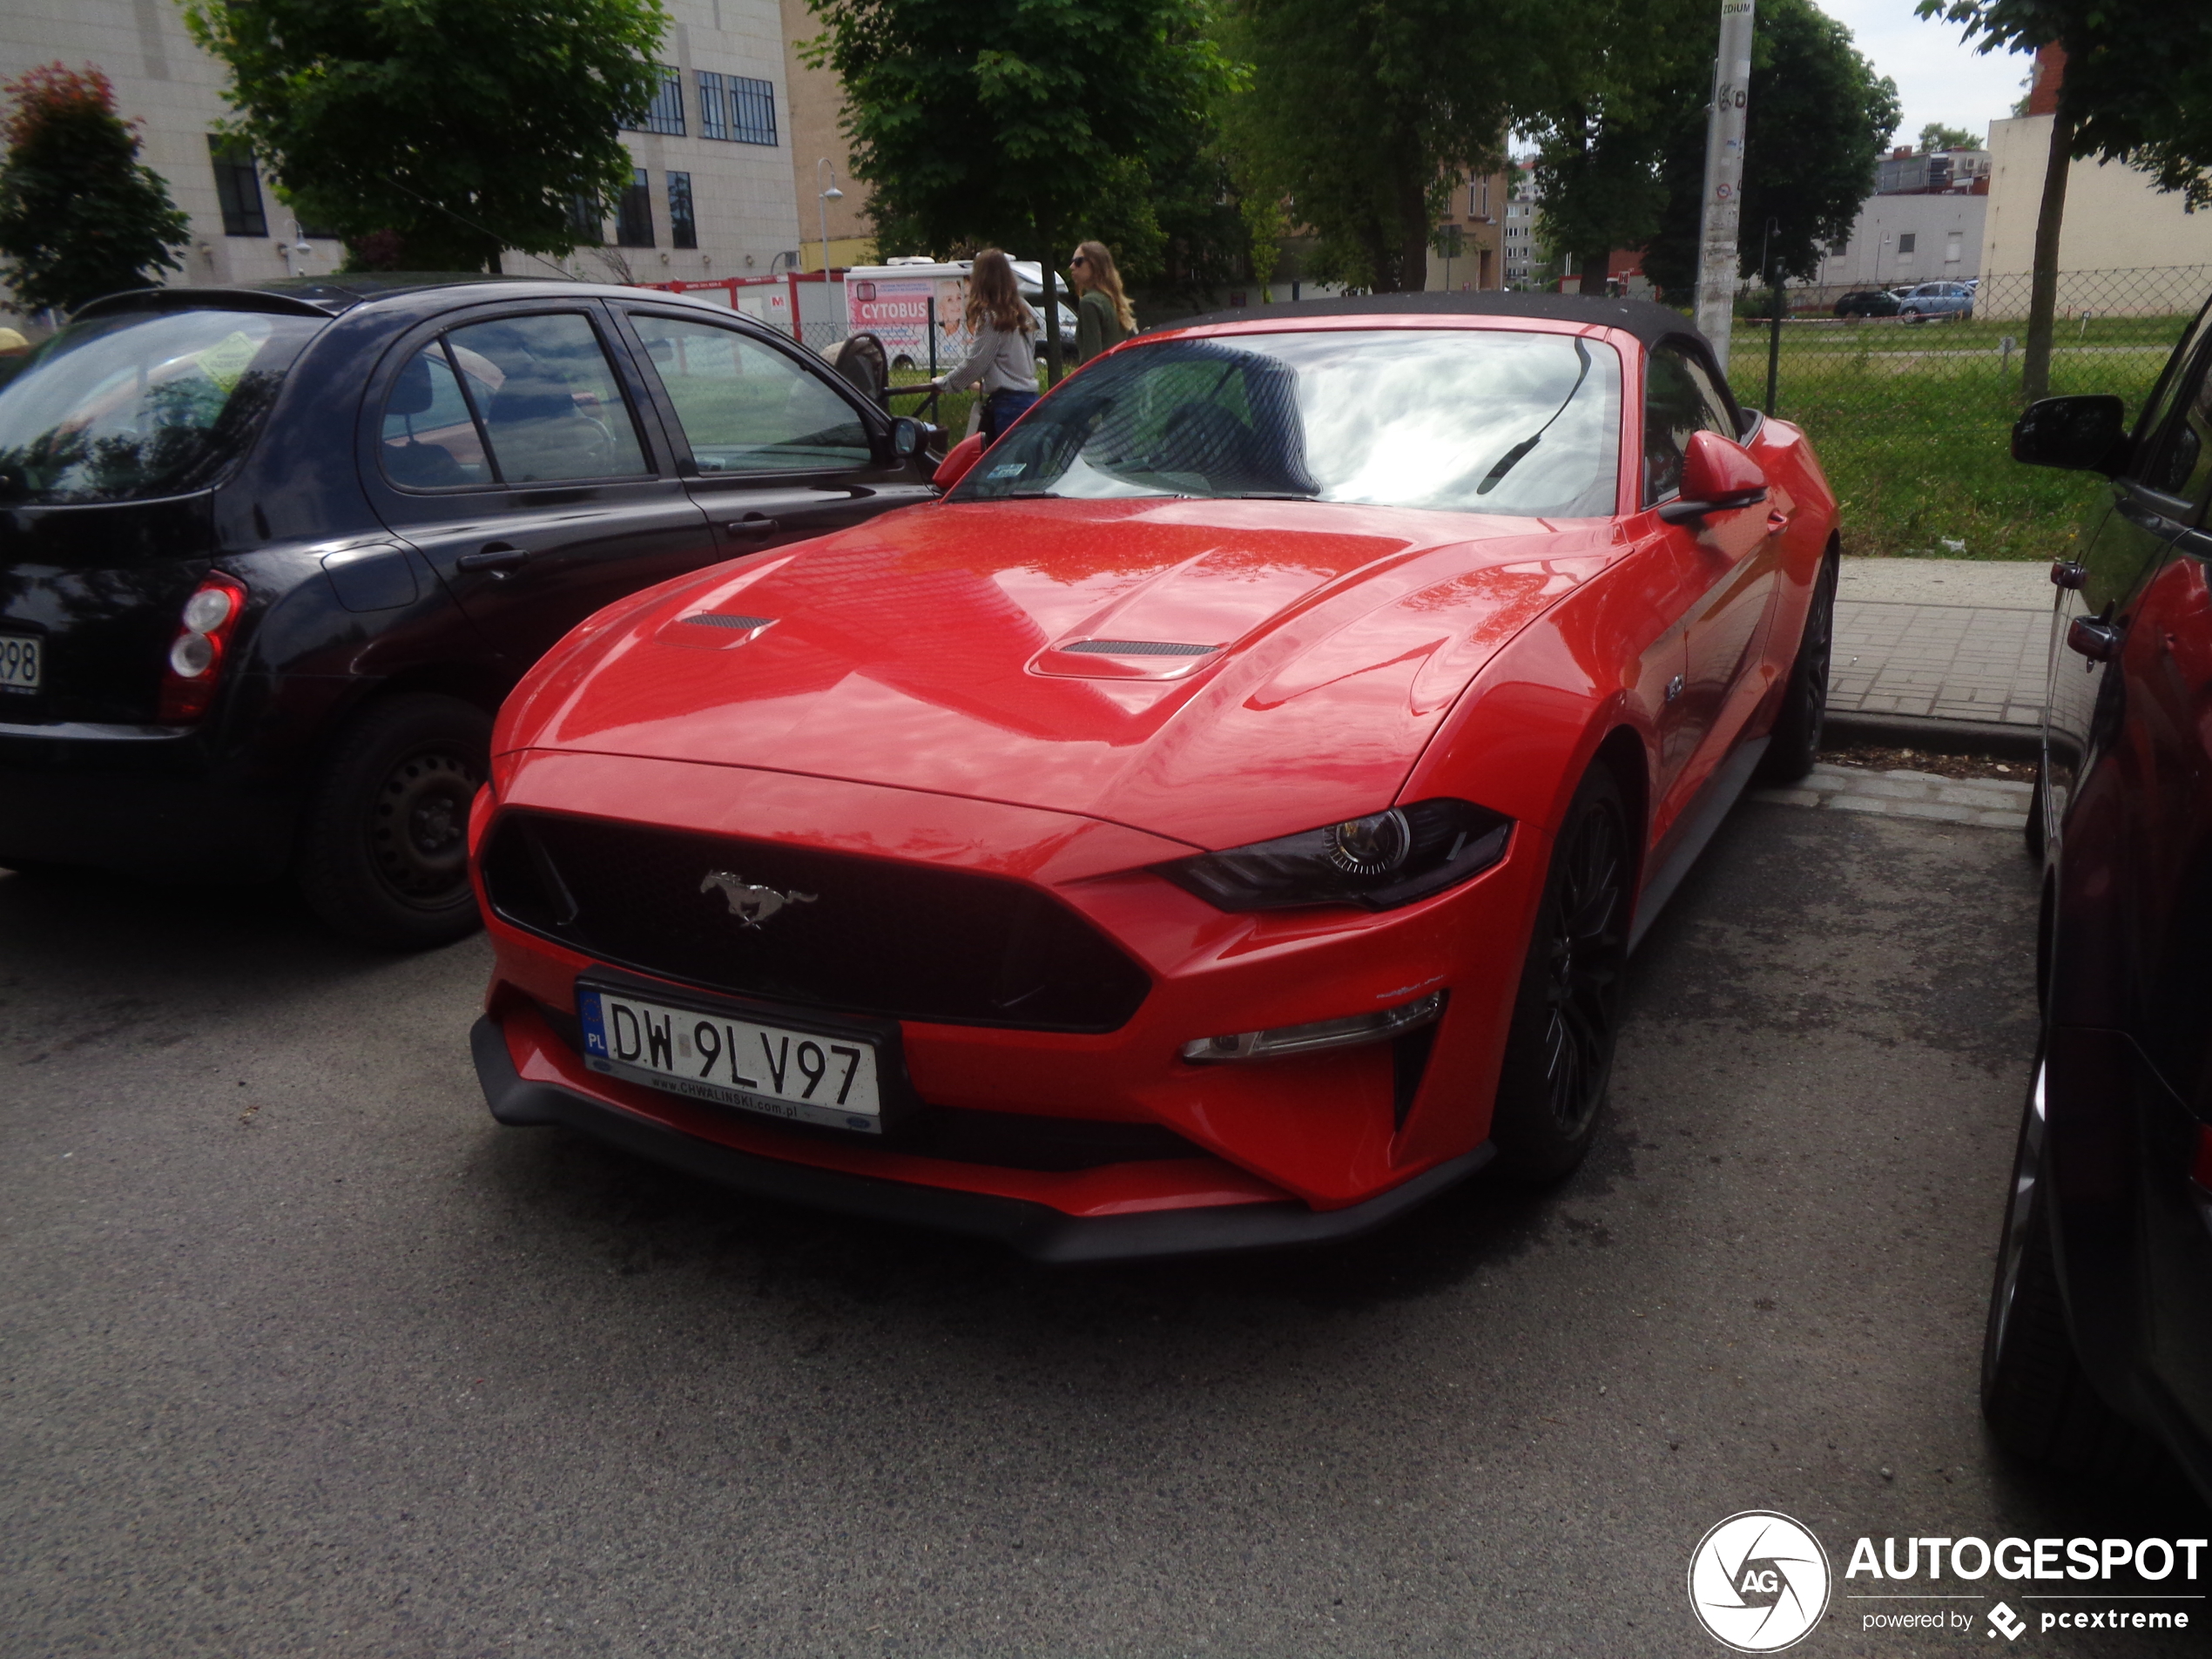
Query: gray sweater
[1003, 359]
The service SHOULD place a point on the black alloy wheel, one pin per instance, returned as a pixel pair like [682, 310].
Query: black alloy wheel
[2037, 1400]
[1794, 744]
[1559, 1049]
[384, 853]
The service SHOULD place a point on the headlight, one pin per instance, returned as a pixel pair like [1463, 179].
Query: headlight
[1378, 862]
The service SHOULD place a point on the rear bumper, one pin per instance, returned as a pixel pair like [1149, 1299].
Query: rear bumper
[1030, 1228]
[141, 799]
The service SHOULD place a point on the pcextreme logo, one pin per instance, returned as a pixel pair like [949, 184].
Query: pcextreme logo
[1758, 1581]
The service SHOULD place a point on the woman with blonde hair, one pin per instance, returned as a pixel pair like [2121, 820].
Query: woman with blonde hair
[1003, 359]
[1103, 318]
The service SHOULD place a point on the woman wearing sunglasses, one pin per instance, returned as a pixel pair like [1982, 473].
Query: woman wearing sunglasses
[1103, 318]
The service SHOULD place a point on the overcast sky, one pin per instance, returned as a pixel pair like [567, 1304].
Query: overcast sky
[1938, 77]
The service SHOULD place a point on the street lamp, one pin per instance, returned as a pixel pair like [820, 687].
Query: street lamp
[822, 201]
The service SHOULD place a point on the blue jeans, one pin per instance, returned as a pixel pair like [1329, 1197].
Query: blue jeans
[1002, 410]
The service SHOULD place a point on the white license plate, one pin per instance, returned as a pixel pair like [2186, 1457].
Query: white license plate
[23, 661]
[801, 1076]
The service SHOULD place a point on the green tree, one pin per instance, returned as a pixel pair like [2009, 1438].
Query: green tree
[1363, 116]
[80, 215]
[1602, 104]
[446, 129]
[1023, 123]
[1818, 119]
[2137, 89]
[1935, 136]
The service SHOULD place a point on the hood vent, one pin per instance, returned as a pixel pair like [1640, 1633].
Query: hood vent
[1138, 648]
[719, 619]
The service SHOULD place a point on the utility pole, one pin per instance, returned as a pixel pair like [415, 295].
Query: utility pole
[1725, 178]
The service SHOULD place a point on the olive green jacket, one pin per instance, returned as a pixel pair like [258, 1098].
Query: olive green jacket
[1097, 329]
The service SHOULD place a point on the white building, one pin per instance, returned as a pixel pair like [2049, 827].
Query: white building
[717, 136]
[1900, 240]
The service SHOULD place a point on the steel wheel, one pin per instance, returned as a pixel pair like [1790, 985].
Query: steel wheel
[419, 828]
[1558, 1051]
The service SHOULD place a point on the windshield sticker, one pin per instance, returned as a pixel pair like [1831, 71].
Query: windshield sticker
[226, 361]
[1012, 469]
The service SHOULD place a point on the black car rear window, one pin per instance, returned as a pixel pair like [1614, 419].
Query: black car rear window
[144, 404]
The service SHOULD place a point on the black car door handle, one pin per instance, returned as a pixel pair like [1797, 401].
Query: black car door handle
[750, 524]
[2098, 641]
[493, 555]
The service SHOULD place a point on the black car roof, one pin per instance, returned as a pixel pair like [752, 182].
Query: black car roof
[1648, 322]
[328, 296]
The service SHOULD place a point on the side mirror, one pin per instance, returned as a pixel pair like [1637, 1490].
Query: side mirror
[909, 437]
[2080, 434]
[955, 466]
[1717, 476]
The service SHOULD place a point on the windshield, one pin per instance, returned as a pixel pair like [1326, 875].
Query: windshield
[1487, 420]
[140, 405]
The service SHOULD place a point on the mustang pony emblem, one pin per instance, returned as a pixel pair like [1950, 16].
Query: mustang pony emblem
[750, 904]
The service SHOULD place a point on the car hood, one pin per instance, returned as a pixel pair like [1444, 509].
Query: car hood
[1292, 657]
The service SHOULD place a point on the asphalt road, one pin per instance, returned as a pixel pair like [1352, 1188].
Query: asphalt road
[299, 1354]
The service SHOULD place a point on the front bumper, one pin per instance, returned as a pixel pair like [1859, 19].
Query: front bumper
[1032, 1227]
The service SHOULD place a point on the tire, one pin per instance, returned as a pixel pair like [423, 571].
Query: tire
[2037, 1401]
[383, 854]
[1794, 744]
[1559, 1047]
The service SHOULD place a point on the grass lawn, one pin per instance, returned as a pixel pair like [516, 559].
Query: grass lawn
[1913, 424]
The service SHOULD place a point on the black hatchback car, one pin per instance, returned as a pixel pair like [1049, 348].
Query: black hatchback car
[271, 556]
[2099, 1345]
[1869, 302]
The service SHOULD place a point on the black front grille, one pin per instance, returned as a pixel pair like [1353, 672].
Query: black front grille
[903, 941]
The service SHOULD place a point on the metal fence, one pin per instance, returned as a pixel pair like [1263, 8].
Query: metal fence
[1911, 417]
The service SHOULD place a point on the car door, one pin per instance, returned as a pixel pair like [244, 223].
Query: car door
[772, 446]
[516, 452]
[1728, 561]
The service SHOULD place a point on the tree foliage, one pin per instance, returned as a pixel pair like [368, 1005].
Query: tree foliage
[80, 215]
[449, 129]
[1818, 121]
[1025, 122]
[2138, 82]
[1363, 116]
[1935, 136]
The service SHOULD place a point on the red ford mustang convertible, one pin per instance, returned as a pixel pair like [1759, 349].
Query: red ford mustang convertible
[1222, 821]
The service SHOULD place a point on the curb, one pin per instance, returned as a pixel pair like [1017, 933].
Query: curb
[1937, 737]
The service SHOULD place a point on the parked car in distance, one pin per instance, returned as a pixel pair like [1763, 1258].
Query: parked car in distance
[1936, 299]
[1867, 302]
[2099, 1344]
[1222, 821]
[270, 556]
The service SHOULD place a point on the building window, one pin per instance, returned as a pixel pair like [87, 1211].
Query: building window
[665, 112]
[1477, 198]
[683, 229]
[586, 222]
[634, 214]
[1905, 242]
[752, 111]
[714, 113]
[237, 187]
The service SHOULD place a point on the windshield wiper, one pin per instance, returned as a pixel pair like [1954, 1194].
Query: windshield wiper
[1513, 456]
[1265, 495]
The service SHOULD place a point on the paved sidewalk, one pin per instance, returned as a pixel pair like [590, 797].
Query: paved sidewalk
[1989, 803]
[1942, 640]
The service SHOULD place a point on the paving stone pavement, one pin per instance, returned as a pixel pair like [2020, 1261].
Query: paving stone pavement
[1943, 639]
[1988, 803]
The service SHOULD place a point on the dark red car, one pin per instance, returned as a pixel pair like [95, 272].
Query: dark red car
[1223, 820]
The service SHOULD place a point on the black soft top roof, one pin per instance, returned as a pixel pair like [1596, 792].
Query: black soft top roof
[1648, 322]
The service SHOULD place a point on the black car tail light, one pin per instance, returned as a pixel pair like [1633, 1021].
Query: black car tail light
[195, 666]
